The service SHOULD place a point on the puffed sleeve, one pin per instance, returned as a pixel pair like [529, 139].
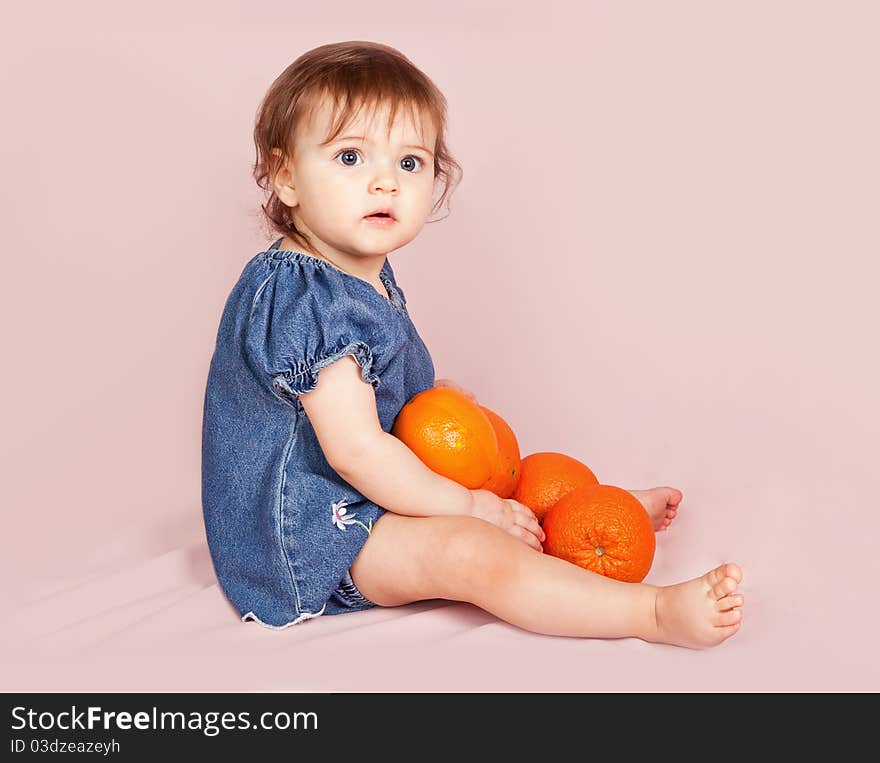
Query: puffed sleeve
[304, 318]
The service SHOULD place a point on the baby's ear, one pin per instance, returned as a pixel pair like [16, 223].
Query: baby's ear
[282, 180]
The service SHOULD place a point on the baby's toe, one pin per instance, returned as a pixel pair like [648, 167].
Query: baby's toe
[729, 602]
[725, 587]
[731, 617]
[726, 631]
[732, 570]
[717, 577]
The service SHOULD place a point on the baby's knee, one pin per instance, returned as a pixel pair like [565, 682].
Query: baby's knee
[471, 554]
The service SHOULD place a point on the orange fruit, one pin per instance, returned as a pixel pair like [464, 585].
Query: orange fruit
[450, 434]
[604, 529]
[544, 478]
[506, 474]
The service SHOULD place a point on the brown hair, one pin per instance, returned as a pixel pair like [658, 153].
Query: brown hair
[354, 74]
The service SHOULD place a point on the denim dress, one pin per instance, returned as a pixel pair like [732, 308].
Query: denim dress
[282, 526]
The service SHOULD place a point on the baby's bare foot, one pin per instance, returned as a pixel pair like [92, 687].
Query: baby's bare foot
[701, 612]
[661, 503]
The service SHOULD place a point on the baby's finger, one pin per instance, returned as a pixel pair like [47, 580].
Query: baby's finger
[526, 517]
[530, 522]
[521, 506]
[527, 537]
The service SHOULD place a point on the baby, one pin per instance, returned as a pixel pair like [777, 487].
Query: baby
[311, 506]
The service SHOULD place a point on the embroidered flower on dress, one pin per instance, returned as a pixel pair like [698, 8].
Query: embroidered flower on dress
[341, 519]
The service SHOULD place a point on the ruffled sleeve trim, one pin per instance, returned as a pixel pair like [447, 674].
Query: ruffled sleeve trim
[302, 377]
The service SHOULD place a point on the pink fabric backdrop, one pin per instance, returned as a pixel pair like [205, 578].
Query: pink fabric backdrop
[663, 260]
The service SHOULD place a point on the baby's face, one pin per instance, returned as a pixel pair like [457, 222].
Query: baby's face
[331, 188]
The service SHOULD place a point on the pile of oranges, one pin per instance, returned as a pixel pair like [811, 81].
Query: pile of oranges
[602, 528]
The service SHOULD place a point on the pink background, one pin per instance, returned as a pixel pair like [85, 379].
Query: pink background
[662, 260]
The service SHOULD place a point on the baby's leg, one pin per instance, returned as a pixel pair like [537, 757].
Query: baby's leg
[408, 559]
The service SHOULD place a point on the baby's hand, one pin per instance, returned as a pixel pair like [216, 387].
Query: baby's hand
[512, 516]
[452, 385]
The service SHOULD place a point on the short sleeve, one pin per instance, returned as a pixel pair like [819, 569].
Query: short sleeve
[305, 317]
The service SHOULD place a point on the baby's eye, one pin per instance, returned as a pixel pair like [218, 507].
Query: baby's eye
[410, 157]
[347, 154]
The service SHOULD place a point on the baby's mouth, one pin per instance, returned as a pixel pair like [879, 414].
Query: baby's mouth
[380, 219]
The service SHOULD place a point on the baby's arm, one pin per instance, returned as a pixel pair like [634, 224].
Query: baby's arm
[342, 411]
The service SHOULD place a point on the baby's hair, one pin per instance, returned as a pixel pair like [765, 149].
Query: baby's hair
[352, 75]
